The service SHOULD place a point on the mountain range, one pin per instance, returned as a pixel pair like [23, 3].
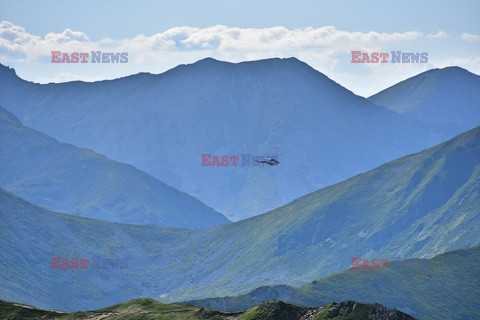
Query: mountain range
[417, 206]
[443, 287]
[162, 124]
[62, 177]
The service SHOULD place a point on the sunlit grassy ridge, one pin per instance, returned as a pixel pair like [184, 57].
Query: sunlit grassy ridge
[149, 309]
[443, 287]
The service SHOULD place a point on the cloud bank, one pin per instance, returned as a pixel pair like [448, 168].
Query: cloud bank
[325, 48]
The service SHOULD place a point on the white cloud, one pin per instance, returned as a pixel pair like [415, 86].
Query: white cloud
[223, 40]
[470, 37]
[66, 36]
[18, 45]
[326, 48]
[471, 63]
[439, 35]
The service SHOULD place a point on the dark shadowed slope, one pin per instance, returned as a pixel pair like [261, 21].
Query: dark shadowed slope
[162, 124]
[77, 181]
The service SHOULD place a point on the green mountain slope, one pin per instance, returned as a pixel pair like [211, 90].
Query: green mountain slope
[32, 236]
[443, 287]
[417, 206]
[77, 181]
[149, 309]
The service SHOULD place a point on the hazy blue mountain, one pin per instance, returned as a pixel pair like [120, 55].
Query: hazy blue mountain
[149, 309]
[417, 206]
[77, 181]
[162, 124]
[448, 98]
[444, 287]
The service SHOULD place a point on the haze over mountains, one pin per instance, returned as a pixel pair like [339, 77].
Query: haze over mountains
[162, 124]
[447, 98]
[417, 206]
[61, 177]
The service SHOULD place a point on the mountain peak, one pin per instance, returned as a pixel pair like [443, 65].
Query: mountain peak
[209, 61]
[7, 70]
[454, 69]
[441, 97]
[445, 72]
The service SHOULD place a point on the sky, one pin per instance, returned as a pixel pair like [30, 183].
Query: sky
[159, 35]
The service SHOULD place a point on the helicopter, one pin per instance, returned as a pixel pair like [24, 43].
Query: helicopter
[269, 161]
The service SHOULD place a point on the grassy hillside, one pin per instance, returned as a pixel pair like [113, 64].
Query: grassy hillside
[417, 206]
[148, 309]
[443, 287]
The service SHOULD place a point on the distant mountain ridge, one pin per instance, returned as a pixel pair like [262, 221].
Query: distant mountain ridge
[448, 97]
[162, 124]
[77, 181]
